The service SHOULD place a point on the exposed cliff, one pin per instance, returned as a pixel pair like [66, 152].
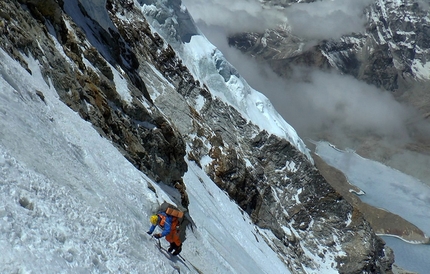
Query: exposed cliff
[137, 91]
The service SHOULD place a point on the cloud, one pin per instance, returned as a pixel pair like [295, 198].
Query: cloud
[327, 102]
[424, 4]
[314, 21]
[236, 16]
[327, 19]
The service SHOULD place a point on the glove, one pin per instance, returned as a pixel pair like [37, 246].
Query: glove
[157, 236]
[149, 233]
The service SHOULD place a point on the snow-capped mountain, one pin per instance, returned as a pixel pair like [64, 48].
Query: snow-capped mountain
[105, 104]
[391, 50]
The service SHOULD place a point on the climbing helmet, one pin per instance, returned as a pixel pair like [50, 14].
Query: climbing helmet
[153, 219]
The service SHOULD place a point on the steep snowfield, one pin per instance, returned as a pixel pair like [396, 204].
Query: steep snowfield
[71, 203]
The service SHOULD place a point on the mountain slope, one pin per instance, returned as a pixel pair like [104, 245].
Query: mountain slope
[142, 89]
[72, 203]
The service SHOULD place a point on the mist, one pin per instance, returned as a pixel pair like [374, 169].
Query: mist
[319, 104]
[424, 4]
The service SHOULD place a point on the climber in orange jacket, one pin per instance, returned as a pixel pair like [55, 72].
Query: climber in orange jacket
[170, 226]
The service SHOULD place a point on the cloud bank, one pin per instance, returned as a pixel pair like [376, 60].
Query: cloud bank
[424, 4]
[320, 103]
[326, 104]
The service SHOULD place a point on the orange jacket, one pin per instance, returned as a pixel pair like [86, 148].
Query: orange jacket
[169, 225]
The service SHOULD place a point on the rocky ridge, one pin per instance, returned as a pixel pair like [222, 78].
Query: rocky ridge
[160, 124]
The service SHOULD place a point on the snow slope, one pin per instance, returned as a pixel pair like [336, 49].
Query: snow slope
[71, 203]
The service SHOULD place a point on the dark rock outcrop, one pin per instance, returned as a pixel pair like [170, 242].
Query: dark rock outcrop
[142, 133]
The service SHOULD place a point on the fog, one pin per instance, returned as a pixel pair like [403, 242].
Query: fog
[234, 16]
[425, 4]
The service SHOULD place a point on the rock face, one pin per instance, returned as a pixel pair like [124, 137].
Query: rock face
[162, 121]
[141, 132]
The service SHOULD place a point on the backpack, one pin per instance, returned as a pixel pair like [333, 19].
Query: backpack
[172, 210]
